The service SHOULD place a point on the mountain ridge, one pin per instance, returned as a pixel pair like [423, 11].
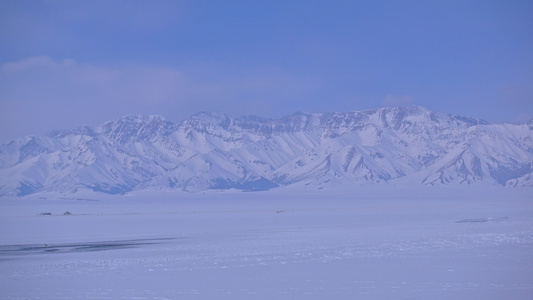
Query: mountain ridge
[400, 145]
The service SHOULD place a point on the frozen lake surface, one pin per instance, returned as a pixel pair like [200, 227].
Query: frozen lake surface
[371, 243]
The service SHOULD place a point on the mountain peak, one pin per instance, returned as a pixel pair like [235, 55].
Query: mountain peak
[209, 116]
[206, 120]
[83, 130]
[144, 119]
[399, 145]
[132, 128]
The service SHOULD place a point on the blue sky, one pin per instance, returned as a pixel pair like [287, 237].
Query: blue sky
[64, 64]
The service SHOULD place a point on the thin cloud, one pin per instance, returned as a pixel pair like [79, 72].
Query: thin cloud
[39, 93]
[523, 117]
[394, 100]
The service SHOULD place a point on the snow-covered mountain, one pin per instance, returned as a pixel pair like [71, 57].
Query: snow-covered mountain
[397, 145]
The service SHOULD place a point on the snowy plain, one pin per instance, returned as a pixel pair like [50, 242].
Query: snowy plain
[376, 242]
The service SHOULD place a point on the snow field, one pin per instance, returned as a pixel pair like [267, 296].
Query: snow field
[360, 244]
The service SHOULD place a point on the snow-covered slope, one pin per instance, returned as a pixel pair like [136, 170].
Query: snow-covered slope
[400, 145]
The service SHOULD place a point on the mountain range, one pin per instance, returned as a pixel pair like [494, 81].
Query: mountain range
[407, 145]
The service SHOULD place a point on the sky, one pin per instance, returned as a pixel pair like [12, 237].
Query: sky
[64, 64]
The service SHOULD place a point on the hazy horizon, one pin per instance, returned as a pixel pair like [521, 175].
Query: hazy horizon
[68, 64]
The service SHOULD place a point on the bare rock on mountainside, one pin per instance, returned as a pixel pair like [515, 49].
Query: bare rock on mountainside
[401, 145]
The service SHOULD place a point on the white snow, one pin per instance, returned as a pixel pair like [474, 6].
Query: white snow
[377, 242]
[403, 145]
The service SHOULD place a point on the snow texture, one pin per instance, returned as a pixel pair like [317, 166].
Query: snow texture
[375, 242]
[396, 146]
